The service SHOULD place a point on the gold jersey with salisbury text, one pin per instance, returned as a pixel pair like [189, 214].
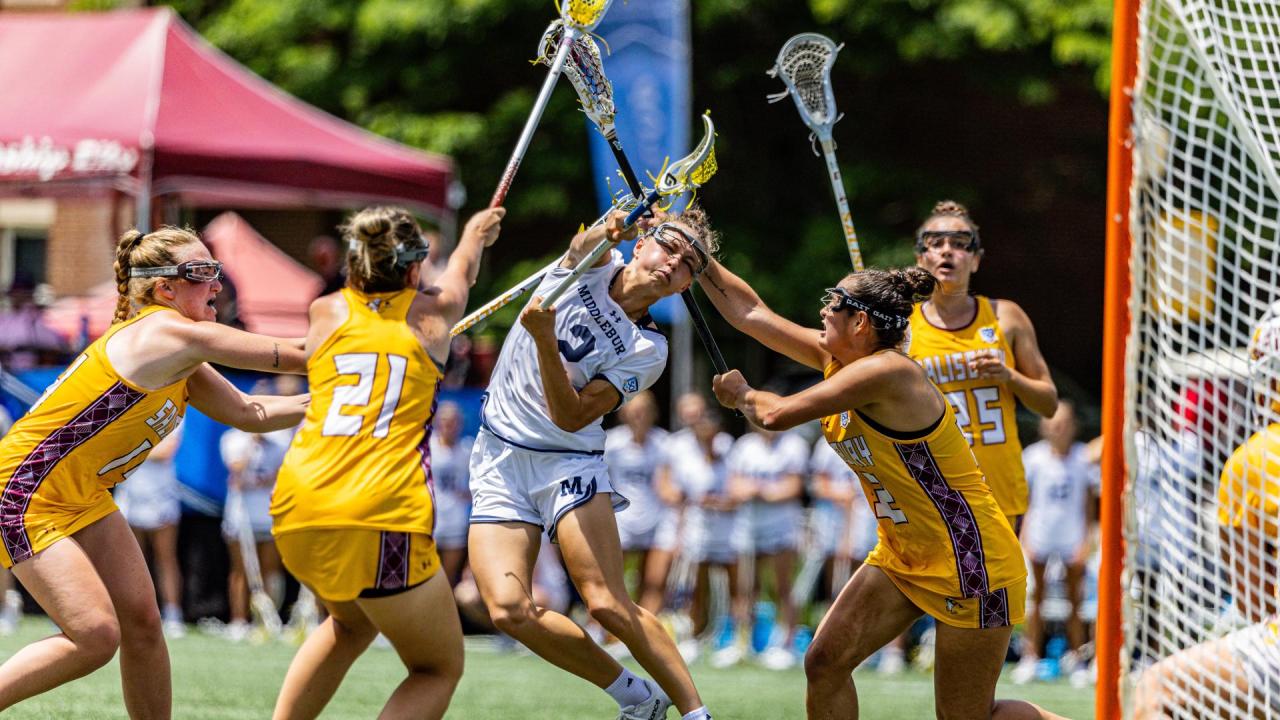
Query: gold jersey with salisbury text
[89, 430]
[985, 409]
[361, 458]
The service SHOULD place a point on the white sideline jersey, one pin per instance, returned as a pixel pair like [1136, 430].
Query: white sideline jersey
[708, 535]
[854, 531]
[451, 475]
[1059, 490]
[632, 467]
[769, 527]
[596, 340]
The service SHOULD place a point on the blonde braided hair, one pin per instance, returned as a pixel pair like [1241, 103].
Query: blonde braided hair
[139, 249]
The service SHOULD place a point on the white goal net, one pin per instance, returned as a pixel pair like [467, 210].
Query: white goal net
[1200, 556]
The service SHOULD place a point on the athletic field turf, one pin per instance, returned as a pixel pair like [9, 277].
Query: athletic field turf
[214, 678]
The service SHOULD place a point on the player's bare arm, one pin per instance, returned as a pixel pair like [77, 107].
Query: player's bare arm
[611, 229]
[216, 397]
[455, 283]
[570, 409]
[739, 304]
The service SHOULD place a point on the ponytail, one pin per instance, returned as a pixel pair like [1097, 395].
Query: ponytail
[124, 249]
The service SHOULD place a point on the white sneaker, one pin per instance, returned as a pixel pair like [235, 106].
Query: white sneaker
[1025, 671]
[174, 629]
[690, 650]
[777, 658]
[237, 631]
[891, 662]
[655, 708]
[727, 656]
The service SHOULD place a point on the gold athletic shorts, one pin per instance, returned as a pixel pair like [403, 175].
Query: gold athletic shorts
[342, 564]
[46, 523]
[1000, 607]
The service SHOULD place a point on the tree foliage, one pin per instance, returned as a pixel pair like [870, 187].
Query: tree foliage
[928, 87]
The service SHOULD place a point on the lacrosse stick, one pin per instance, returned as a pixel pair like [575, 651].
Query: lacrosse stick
[529, 283]
[577, 16]
[595, 93]
[684, 175]
[804, 66]
[304, 616]
[261, 604]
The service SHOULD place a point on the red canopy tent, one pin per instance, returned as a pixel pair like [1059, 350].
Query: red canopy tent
[136, 101]
[273, 291]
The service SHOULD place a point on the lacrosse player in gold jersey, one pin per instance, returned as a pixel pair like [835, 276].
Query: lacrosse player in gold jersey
[353, 512]
[944, 547]
[980, 352]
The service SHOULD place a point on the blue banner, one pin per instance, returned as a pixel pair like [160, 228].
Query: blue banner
[647, 58]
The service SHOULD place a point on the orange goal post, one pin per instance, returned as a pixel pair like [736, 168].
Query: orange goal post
[1188, 517]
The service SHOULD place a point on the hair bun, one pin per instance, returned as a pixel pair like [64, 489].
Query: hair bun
[912, 284]
[950, 207]
[370, 226]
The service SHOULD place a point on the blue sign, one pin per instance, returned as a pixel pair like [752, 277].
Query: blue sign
[647, 58]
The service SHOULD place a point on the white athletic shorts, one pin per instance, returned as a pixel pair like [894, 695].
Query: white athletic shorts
[769, 528]
[453, 517]
[257, 504]
[638, 525]
[1257, 649]
[149, 500]
[710, 536]
[514, 484]
[831, 525]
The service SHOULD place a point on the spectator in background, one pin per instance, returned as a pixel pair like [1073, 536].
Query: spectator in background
[766, 477]
[1061, 481]
[634, 451]
[450, 456]
[25, 340]
[696, 471]
[844, 523]
[149, 503]
[252, 461]
[326, 259]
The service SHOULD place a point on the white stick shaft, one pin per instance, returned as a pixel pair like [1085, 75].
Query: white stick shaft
[583, 265]
[842, 203]
[526, 136]
[502, 300]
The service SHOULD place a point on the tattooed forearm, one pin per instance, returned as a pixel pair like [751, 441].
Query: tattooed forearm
[275, 348]
[716, 285]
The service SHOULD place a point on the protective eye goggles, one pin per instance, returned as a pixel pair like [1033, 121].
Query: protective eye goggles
[837, 298]
[671, 236]
[935, 239]
[200, 271]
[405, 256]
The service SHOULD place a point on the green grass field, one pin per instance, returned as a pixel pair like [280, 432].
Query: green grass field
[213, 678]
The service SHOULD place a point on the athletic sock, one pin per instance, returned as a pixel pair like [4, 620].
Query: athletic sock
[699, 714]
[628, 689]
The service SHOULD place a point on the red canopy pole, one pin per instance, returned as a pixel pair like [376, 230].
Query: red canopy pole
[143, 198]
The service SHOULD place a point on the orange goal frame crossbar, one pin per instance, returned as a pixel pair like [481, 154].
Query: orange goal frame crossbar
[1110, 639]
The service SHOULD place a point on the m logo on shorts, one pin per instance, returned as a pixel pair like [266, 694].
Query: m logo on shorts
[631, 385]
[571, 486]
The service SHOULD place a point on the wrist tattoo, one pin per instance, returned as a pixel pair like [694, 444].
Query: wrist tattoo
[275, 348]
[716, 285]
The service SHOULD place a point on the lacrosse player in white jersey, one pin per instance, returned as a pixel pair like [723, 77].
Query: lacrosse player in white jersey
[1061, 481]
[450, 456]
[633, 451]
[538, 460]
[766, 475]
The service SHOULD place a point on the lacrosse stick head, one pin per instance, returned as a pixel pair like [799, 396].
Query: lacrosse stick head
[585, 71]
[583, 15]
[804, 66]
[695, 169]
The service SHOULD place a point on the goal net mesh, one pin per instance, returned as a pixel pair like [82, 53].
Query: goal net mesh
[1205, 223]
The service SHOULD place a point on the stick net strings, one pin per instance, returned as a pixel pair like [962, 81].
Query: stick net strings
[805, 68]
[1205, 269]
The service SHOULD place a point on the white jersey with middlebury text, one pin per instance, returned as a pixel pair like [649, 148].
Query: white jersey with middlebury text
[596, 340]
[1056, 515]
[632, 466]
